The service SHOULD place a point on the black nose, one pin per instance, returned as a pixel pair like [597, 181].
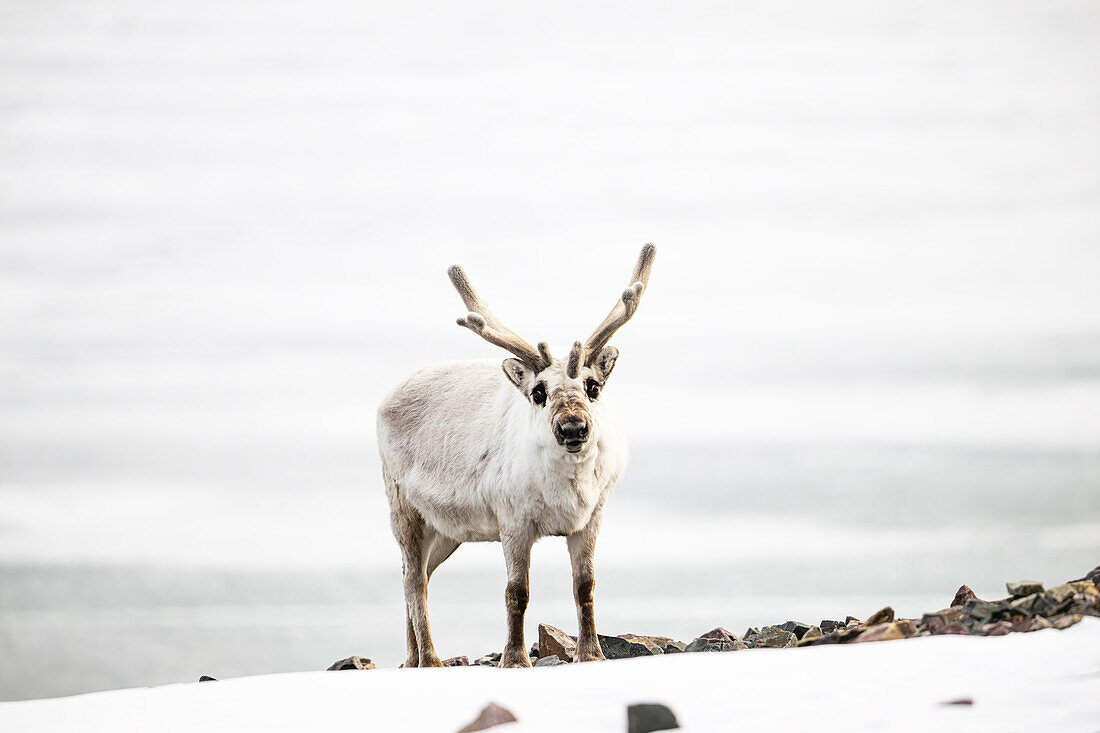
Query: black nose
[571, 430]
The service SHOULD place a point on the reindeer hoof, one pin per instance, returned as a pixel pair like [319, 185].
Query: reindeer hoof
[592, 654]
[515, 660]
[430, 662]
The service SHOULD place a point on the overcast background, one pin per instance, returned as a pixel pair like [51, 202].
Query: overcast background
[867, 368]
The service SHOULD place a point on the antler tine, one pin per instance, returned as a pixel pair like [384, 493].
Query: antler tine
[481, 321]
[625, 308]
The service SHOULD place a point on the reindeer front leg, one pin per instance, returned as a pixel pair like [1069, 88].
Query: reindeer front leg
[517, 557]
[582, 550]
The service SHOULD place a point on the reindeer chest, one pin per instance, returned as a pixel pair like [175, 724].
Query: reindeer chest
[559, 502]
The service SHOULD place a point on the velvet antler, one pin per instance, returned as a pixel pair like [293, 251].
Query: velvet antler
[625, 308]
[481, 321]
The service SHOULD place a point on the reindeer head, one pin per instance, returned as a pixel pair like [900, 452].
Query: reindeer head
[564, 394]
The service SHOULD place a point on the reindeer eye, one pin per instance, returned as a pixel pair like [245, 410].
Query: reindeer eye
[538, 394]
[592, 387]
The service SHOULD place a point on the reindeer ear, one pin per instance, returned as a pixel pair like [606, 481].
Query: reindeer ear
[605, 362]
[517, 372]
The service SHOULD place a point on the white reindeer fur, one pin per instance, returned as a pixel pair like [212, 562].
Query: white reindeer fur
[469, 452]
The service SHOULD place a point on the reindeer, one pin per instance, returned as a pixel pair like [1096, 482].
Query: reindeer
[473, 455]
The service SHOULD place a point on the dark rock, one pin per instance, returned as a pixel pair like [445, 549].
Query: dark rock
[814, 632]
[964, 594]
[828, 626]
[491, 716]
[457, 662]
[980, 611]
[1022, 588]
[533, 652]
[958, 701]
[715, 645]
[646, 717]
[843, 635]
[797, 628]
[1039, 623]
[352, 663]
[1000, 628]
[675, 647]
[550, 660]
[491, 659]
[772, 637]
[554, 641]
[851, 621]
[881, 616]
[750, 632]
[616, 647]
[207, 678]
[955, 628]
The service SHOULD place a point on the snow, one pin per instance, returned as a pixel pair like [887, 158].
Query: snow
[1046, 680]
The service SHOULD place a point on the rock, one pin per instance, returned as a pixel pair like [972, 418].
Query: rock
[616, 647]
[1082, 586]
[491, 716]
[958, 701]
[1038, 623]
[843, 635]
[715, 645]
[554, 641]
[882, 616]
[964, 594]
[851, 621]
[750, 632]
[646, 717]
[1065, 621]
[1060, 593]
[207, 678]
[828, 627]
[457, 662]
[978, 610]
[533, 652]
[886, 632]
[491, 659]
[1024, 588]
[999, 628]
[352, 663]
[675, 647]
[550, 660]
[1019, 625]
[797, 628]
[720, 634]
[1025, 604]
[814, 632]
[655, 644]
[771, 637]
[941, 621]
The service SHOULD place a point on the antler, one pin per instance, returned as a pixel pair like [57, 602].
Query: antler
[481, 321]
[624, 309]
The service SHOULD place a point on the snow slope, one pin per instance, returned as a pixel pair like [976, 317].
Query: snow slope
[1047, 680]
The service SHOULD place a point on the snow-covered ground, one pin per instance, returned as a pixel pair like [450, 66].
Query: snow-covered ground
[1046, 680]
[224, 226]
